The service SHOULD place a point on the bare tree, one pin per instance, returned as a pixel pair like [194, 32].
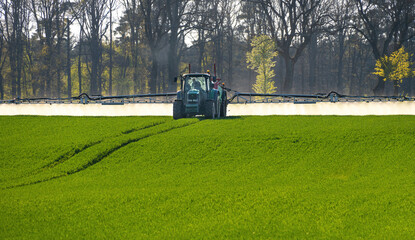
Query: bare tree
[218, 33]
[155, 21]
[202, 23]
[134, 23]
[68, 57]
[14, 20]
[2, 59]
[80, 43]
[292, 24]
[92, 17]
[47, 15]
[179, 23]
[253, 20]
[210, 23]
[111, 7]
[230, 11]
[337, 31]
[340, 17]
[2, 51]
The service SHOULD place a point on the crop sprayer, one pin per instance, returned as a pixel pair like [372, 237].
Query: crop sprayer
[203, 94]
[200, 94]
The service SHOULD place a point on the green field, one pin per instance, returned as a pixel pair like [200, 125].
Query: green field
[242, 177]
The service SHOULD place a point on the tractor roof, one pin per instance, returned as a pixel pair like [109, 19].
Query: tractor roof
[197, 74]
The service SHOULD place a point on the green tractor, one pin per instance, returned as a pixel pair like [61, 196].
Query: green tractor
[200, 94]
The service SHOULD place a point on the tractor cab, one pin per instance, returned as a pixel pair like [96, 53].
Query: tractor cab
[196, 82]
[198, 96]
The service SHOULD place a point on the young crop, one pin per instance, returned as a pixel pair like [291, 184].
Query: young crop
[241, 177]
[33, 145]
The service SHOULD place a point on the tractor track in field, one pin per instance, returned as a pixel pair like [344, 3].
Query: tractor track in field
[59, 160]
[142, 128]
[107, 153]
[67, 156]
[74, 151]
[100, 157]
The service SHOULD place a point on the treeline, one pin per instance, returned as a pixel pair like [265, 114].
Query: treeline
[60, 48]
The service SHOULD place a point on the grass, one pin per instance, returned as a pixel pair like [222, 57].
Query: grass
[241, 177]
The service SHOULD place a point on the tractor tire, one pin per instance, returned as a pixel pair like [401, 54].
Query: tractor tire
[224, 105]
[210, 110]
[218, 109]
[224, 109]
[178, 110]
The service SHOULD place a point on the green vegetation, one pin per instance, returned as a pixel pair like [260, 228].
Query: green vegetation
[395, 68]
[248, 177]
[262, 59]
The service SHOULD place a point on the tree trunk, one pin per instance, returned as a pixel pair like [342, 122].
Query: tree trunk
[58, 58]
[13, 45]
[302, 77]
[201, 56]
[136, 79]
[95, 60]
[1, 68]
[219, 54]
[11, 52]
[48, 77]
[380, 87]
[395, 88]
[340, 84]
[19, 59]
[94, 68]
[154, 69]
[49, 57]
[95, 49]
[230, 60]
[289, 74]
[1, 87]
[33, 78]
[173, 63]
[68, 59]
[312, 58]
[134, 46]
[100, 66]
[201, 46]
[12, 60]
[79, 62]
[110, 70]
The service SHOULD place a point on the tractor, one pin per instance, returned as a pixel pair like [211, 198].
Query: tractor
[200, 94]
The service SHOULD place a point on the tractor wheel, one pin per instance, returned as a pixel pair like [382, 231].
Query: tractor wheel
[218, 109]
[224, 105]
[178, 109]
[224, 109]
[210, 110]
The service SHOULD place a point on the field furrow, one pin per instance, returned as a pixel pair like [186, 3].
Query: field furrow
[89, 155]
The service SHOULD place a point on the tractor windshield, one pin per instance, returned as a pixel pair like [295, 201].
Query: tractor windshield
[195, 82]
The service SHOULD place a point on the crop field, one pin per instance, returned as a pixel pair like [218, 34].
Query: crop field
[241, 177]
